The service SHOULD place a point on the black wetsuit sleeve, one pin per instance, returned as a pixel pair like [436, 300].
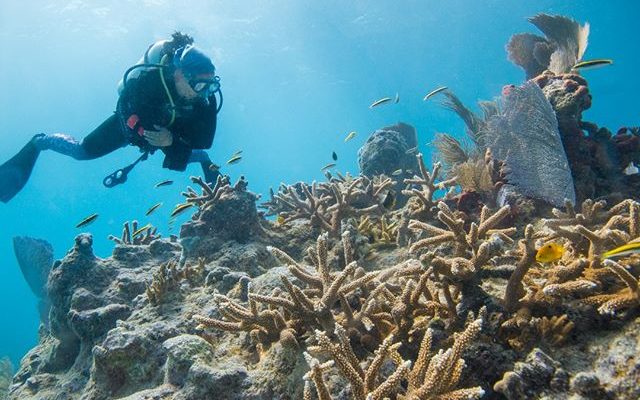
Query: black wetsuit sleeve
[198, 129]
[193, 130]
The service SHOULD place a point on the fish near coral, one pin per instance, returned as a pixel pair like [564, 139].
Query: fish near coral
[628, 249]
[550, 252]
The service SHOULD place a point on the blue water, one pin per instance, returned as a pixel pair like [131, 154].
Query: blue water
[297, 77]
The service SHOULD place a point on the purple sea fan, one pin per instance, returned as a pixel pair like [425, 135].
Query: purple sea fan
[525, 135]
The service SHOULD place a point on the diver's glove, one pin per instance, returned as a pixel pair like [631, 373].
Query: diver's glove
[162, 137]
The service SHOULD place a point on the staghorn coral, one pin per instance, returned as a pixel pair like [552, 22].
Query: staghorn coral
[381, 232]
[169, 276]
[300, 309]
[562, 47]
[142, 238]
[424, 195]
[430, 376]
[326, 204]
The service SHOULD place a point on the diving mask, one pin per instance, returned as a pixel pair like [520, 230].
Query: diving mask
[205, 87]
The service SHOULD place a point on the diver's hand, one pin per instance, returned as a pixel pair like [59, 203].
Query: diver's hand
[162, 137]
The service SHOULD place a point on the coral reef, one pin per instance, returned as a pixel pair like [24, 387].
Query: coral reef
[350, 294]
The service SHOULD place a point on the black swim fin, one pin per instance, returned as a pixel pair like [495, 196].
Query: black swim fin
[15, 173]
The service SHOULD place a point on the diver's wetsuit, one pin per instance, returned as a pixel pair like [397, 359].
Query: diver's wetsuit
[144, 103]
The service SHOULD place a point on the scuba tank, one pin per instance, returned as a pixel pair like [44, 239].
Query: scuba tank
[152, 58]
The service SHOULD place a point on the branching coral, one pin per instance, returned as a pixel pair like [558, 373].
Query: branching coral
[141, 238]
[432, 376]
[426, 189]
[169, 276]
[581, 275]
[326, 204]
[381, 232]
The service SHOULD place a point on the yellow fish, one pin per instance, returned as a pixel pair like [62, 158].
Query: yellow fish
[381, 101]
[632, 247]
[87, 220]
[350, 136]
[280, 219]
[180, 208]
[550, 252]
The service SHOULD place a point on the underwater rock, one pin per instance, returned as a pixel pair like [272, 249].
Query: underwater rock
[182, 352]
[96, 322]
[533, 377]
[217, 382]
[229, 212]
[386, 150]
[35, 257]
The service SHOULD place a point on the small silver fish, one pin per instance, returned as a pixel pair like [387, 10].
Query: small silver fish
[153, 208]
[381, 101]
[434, 92]
[397, 172]
[397, 99]
[86, 221]
[328, 166]
[164, 183]
[350, 136]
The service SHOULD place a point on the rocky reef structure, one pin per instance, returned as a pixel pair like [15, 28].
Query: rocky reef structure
[459, 308]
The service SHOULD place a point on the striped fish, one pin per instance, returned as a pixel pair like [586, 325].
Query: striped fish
[628, 249]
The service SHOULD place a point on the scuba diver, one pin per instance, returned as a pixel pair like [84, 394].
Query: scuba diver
[167, 101]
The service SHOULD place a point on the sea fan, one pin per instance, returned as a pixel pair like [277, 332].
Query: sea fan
[525, 136]
[571, 40]
[562, 47]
